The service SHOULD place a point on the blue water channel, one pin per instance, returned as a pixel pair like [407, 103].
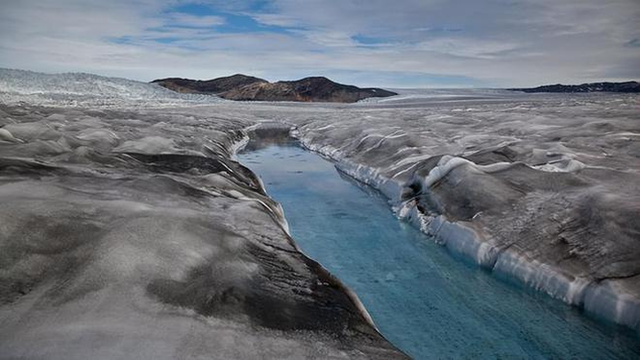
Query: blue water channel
[425, 301]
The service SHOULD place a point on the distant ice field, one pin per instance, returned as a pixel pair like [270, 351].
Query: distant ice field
[80, 89]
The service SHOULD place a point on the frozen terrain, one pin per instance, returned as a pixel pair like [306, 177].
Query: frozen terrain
[79, 89]
[131, 232]
[425, 301]
[542, 190]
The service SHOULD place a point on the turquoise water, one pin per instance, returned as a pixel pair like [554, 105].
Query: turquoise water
[426, 302]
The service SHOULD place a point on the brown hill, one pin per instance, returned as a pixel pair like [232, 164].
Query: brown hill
[248, 88]
[214, 86]
[309, 89]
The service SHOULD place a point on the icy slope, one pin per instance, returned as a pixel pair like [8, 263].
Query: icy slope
[412, 96]
[132, 234]
[542, 190]
[148, 210]
[88, 90]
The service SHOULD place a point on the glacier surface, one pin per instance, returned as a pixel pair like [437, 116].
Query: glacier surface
[541, 189]
[132, 231]
[81, 89]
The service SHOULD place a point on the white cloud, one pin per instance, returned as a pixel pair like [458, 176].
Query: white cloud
[187, 20]
[496, 42]
[328, 37]
[275, 20]
[472, 48]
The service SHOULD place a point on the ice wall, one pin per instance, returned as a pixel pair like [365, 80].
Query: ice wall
[519, 187]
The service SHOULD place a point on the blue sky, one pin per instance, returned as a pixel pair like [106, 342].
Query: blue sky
[399, 43]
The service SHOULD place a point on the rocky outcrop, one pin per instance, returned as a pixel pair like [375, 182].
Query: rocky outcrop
[309, 89]
[247, 88]
[214, 86]
[623, 87]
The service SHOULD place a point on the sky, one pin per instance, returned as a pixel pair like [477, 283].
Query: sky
[388, 43]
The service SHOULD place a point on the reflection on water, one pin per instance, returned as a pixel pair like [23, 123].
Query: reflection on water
[423, 300]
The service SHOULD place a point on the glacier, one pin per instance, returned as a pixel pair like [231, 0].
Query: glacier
[132, 231]
[542, 190]
[81, 89]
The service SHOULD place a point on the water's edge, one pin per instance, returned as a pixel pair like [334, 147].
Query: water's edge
[239, 146]
[423, 297]
[600, 300]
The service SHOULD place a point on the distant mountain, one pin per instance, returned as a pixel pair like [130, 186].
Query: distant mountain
[622, 87]
[248, 88]
[214, 86]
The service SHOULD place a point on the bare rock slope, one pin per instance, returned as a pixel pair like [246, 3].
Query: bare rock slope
[247, 88]
[214, 86]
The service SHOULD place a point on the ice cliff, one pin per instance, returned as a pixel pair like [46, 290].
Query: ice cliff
[542, 191]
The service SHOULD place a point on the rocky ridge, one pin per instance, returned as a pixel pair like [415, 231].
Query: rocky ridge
[248, 88]
[214, 86]
[621, 87]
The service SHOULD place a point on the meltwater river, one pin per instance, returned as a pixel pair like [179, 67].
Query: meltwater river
[426, 302]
